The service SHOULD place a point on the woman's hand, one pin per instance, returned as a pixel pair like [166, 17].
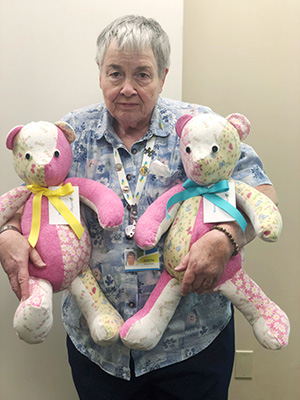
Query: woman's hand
[204, 264]
[15, 251]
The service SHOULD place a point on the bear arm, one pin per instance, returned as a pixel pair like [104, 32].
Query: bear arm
[11, 202]
[102, 200]
[262, 212]
[153, 223]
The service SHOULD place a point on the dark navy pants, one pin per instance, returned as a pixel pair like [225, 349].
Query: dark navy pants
[205, 376]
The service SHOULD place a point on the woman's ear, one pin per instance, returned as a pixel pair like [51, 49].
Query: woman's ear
[163, 80]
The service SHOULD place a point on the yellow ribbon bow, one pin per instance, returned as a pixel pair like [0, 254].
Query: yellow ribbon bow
[54, 198]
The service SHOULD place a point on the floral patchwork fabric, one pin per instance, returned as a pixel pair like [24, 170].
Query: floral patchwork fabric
[44, 151]
[198, 319]
[75, 253]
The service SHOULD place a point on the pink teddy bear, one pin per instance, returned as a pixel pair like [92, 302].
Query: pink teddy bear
[210, 149]
[42, 158]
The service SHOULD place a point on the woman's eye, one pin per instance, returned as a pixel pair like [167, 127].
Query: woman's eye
[115, 74]
[188, 149]
[142, 76]
[215, 148]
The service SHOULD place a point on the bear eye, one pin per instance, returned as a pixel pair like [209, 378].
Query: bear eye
[188, 149]
[56, 153]
[28, 156]
[215, 148]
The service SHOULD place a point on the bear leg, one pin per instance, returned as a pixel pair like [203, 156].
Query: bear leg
[144, 329]
[103, 319]
[270, 324]
[33, 318]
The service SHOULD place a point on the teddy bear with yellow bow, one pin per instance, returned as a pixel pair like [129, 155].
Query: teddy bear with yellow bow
[42, 158]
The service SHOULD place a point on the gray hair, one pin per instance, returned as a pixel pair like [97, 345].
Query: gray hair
[137, 33]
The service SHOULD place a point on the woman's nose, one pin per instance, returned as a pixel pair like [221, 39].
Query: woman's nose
[128, 88]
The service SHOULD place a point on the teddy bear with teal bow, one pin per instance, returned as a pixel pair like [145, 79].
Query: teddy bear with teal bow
[210, 149]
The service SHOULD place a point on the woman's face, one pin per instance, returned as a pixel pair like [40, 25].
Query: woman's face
[131, 85]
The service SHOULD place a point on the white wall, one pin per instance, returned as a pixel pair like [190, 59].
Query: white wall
[47, 69]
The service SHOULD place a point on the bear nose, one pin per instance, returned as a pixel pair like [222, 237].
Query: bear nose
[42, 157]
[201, 155]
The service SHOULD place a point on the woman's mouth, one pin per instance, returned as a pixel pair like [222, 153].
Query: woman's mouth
[127, 106]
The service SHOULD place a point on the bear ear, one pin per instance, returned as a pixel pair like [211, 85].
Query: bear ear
[181, 122]
[67, 130]
[241, 124]
[11, 136]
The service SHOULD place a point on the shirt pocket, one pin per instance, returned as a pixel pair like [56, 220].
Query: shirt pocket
[157, 185]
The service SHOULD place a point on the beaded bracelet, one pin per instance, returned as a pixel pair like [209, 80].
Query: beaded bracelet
[9, 227]
[230, 237]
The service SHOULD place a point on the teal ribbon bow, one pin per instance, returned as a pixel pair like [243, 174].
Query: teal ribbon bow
[192, 189]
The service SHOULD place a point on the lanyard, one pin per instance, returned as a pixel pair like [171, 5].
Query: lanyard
[132, 200]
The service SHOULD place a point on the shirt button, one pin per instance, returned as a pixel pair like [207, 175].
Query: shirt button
[129, 177]
[134, 151]
[131, 304]
[118, 167]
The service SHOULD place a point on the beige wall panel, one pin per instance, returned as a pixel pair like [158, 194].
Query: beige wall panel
[244, 56]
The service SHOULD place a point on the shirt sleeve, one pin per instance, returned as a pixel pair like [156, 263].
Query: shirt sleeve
[249, 168]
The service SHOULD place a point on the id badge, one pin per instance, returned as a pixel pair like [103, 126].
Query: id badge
[141, 260]
[71, 201]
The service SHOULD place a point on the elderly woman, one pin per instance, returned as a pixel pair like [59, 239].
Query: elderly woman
[115, 144]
